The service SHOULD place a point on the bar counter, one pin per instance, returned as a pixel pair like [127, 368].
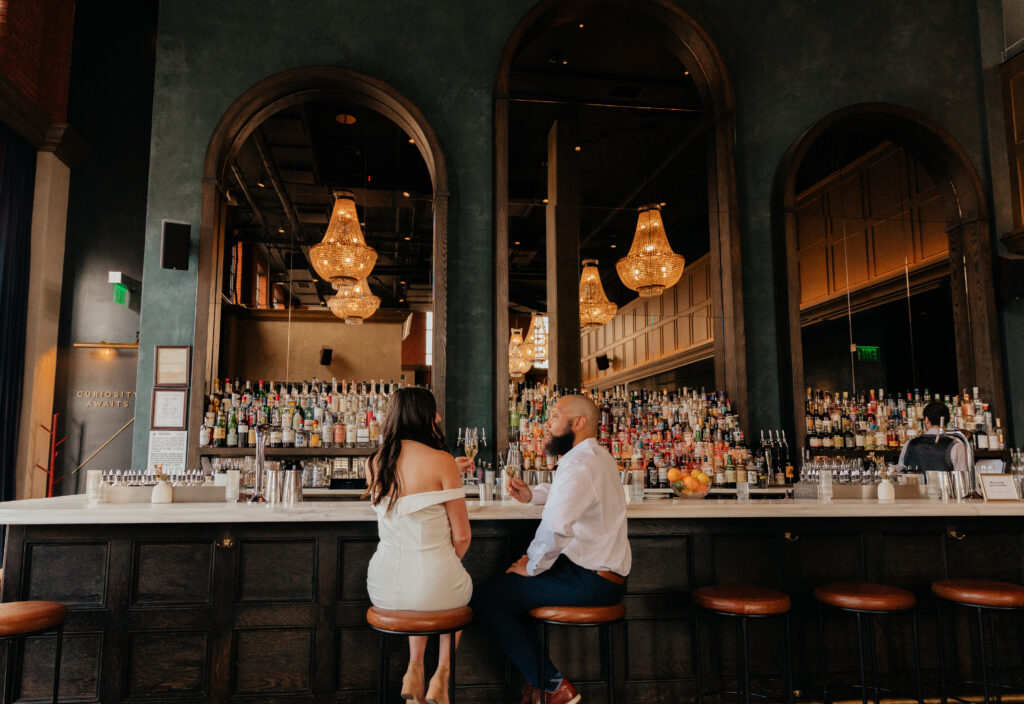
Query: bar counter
[216, 602]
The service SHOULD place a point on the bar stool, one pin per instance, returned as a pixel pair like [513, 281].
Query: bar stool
[983, 595]
[744, 603]
[603, 617]
[864, 599]
[416, 623]
[21, 619]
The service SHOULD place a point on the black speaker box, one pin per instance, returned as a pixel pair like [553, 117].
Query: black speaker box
[602, 362]
[1010, 270]
[175, 237]
[325, 356]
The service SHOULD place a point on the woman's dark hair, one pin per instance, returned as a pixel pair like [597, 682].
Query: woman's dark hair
[409, 415]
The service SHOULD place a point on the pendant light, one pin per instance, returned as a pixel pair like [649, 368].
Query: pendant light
[537, 339]
[595, 308]
[518, 362]
[343, 257]
[354, 303]
[651, 266]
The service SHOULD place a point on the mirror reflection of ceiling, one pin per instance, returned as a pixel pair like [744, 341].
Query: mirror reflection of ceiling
[282, 186]
[642, 139]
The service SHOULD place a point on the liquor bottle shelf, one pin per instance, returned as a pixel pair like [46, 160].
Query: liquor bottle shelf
[894, 452]
[287, 451]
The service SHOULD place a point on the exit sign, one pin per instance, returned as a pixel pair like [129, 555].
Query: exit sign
[121, 294]
[867, 353]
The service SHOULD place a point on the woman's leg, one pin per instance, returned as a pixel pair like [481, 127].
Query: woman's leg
[417, 647]
[444, 649]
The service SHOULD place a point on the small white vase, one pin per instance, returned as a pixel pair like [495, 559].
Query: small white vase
[163, 493]
[886, 491]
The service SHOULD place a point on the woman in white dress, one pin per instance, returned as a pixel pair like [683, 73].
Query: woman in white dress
[415, 487]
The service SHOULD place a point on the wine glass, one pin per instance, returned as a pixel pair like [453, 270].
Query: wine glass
[470, 443]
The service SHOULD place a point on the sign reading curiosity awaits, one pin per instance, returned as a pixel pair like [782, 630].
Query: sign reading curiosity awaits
[107, 398]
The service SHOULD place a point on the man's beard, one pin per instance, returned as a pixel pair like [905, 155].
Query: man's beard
[559, 444]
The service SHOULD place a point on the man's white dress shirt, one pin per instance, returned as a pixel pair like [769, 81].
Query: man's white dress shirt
[958, 455]
[584, 514]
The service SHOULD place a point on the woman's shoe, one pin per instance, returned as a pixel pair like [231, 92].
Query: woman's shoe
[437, 693]
[412, 683]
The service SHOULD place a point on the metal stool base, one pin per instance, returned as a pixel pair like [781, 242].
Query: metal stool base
[382, 681]
[607, 654]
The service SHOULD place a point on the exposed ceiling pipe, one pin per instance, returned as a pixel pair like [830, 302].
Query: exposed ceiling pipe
[275, 180]
[248, 196]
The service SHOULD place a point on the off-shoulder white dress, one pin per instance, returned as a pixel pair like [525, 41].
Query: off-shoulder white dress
[415, 567]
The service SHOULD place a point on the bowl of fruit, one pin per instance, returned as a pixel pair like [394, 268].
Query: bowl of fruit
[693, 485]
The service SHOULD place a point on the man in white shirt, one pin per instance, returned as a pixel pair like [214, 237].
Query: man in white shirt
[929, 452]
[579, 556]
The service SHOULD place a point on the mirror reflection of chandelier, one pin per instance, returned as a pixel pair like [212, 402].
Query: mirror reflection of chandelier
[651, 266]
[595, 308]
[537, 339]
[354, 303]
[518, 361]
[343, 257]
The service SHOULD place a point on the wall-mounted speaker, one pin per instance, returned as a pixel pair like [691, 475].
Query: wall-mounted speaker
[175, 238]
[602, 362]
[1010, 270]
[325, 356]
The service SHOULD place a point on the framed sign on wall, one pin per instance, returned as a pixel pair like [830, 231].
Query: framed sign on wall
[172, 365]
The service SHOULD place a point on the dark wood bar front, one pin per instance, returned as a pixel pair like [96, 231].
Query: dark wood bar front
[273, 610]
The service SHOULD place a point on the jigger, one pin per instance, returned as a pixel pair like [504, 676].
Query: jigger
[262, 433]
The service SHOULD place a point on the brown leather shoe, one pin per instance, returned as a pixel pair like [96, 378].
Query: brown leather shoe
[531, 695]
[565, 694]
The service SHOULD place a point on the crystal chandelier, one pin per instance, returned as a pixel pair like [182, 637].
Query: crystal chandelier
[518, 362]
[343, 257]
[595, 308]
[354, 303]
[651, 266]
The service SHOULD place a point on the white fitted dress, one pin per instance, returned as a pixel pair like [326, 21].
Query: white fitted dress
[415, 567]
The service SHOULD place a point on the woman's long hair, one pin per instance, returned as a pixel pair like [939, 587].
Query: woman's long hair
[410, 415]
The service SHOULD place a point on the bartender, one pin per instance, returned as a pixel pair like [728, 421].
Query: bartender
[930, 451]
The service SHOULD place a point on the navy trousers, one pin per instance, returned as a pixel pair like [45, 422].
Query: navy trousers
[502, 605]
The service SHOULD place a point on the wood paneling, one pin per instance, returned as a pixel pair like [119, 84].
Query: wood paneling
[863, 224]
[191, 583]
[167, 663]
[71, 573]
[645, 331]
[277, 571]
[273, 660]
[1013, 106]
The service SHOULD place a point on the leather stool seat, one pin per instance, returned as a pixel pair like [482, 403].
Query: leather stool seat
[396, 621]
[23, 617]
[980, 592]
[864, 596]
[747, 601]
[580, 614]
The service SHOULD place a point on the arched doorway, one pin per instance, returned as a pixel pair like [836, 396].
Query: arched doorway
[970, 285]
[699, 60]
[243, 117]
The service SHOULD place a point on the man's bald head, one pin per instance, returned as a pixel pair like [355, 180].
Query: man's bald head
[583, 407]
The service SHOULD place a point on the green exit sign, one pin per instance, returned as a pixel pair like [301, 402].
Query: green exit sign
[121, 294]
[867, 353]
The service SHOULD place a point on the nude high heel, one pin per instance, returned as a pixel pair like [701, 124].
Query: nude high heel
[412, 683]
[437, 693]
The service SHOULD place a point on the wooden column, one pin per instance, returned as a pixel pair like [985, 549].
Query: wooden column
[563, 254]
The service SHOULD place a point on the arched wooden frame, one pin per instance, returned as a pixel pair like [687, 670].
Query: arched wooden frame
[263, 100]
[978, 349]
[695, 50]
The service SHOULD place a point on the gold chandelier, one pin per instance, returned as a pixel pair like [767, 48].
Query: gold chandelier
[518, 361]
[595, 308]
[537, 339]
[651, 266]
[343, 257]
[354, 303]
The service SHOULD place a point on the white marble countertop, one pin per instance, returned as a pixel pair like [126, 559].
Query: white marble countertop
[74, 510]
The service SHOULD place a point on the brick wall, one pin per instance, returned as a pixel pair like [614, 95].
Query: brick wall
[35, 52]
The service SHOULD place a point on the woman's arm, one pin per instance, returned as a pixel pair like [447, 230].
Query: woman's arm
[458, 515]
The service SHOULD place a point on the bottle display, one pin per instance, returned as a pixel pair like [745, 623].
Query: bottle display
[311, 413]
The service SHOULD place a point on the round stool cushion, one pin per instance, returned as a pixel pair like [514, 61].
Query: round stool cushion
[419, 621]
[580, 614]
[980, 592]
[752, 601]
[21, 617]
[863, 596]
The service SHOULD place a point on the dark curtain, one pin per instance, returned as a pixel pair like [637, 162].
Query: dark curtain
[17, 183]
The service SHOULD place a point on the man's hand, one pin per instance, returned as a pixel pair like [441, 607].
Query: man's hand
[519, 566]
[465, 465]
[519, 490]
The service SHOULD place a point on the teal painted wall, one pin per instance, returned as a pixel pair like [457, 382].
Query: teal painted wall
[791, 64]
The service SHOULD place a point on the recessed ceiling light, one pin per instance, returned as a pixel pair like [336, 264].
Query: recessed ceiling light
[412, 141]
[581, 25]
[402, 282]
[281, 230]
[544, 201]
[577, 148]
[686, 73]
[565, 62]
[345, 119]
[405, 193]
[516, 243]
[401, 300]
[662, 204]
[614, 246]
[407, 238]
[261, 184]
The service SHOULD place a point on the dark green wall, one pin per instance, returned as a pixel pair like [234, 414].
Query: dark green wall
[791, 63]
